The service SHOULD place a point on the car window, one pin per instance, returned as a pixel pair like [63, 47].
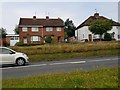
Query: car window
[0, 50]
[5, 51]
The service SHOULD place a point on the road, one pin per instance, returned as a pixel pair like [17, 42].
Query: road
[47, 67]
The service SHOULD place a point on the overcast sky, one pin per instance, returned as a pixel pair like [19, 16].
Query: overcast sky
[75, 11]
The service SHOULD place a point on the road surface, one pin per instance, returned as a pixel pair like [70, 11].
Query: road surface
[47, 67]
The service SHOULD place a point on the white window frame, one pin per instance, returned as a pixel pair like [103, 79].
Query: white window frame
[59, 29]
[24, 29]
[35, 38]
[34, 29]
[49, 29]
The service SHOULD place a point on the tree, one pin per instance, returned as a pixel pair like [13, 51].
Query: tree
[69, 28]
[100, 26]
[107, 37]
[3, 33]
[16, 30]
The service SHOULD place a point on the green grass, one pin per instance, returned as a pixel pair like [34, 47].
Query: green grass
[66, 51]
[63, 56]
[101, 78]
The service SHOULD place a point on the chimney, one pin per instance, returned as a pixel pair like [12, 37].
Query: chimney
[34, 17]
[47, 17]
[96, 15]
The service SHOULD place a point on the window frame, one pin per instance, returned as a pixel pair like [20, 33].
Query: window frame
[49, 29]
[24, 29]
[35, 29]
[59, 29]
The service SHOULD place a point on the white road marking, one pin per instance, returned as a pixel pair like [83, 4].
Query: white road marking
[75, 62]
[103, 60]
[68, 63]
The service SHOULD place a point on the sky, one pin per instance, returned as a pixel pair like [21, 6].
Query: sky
[11, 12]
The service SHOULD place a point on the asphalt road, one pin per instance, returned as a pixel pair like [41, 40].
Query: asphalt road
[47, 67]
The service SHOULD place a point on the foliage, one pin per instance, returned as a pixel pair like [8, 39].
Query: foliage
[16, 30]
[100, 26]
[65, 35]
[54, 40]
[3, 33]
[99, 78]
[19, 44]
[107, 37]
[48, 39]
[69, 28]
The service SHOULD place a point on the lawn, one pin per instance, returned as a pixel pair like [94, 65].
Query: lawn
[66, 51]
[99, 78]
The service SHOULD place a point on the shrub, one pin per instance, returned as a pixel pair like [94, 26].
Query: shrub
[48, 39]
[54, 40]
[107, 37]
[19, 44]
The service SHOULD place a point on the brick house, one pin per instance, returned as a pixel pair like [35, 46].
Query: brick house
[34, 29]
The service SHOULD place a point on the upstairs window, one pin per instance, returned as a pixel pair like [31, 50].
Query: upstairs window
[35, 29]
[48, 29]
[59, 29]
[24, 29]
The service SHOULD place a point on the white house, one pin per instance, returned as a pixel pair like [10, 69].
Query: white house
[82, 31]
[12, 39]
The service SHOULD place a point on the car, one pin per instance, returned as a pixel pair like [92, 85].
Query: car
[9, 56]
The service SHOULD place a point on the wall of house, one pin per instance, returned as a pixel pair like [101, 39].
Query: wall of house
[41, 33]
[116, 30]
[83, 33]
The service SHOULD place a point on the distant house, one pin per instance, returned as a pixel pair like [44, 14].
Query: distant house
[34, 29]
[83, 34]
[12, 39]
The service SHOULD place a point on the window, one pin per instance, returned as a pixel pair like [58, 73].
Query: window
[24, 29]
[12, 38]
[48, 29]
[6, 51]
[83, 35]
[35, 38]
[16, 38]
[59, 29]
[35, 29]
[118, 36]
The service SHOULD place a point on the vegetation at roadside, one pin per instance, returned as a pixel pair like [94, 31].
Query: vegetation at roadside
[101, 78]
[65, 51]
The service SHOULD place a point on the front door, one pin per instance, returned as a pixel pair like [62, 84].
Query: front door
[90, 37]
[25, 40]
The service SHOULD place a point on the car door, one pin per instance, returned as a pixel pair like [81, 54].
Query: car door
[7, 56]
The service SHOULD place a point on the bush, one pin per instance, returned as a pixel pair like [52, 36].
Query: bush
[107, 37]
[19, 44]
[48, 39]
[54, 40]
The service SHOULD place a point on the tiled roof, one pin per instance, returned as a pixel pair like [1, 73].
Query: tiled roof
[41, 21]
[96, 16]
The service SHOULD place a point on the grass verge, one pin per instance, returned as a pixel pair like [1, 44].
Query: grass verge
[66, 51]
[63, 56]
[101, 78]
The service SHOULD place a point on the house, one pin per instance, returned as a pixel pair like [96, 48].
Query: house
[2, 41]
[83, 34]
[12, 39]
[34, 29]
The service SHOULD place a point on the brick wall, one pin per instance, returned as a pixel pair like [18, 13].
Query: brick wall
[41, 32]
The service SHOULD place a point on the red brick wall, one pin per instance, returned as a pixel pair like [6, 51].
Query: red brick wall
[41, 31]
[2, 41]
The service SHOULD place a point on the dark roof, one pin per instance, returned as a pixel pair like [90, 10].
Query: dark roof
[96, 16]
[41, 21]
